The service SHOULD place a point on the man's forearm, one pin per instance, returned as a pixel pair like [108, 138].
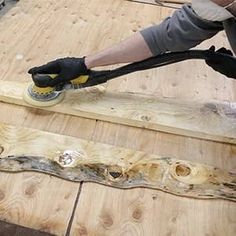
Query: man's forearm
[130, 50]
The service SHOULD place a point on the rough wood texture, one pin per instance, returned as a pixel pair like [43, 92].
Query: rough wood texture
[209, 120]
[82, 160]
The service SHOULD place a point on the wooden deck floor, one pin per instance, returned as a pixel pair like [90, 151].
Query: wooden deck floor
[34, 32]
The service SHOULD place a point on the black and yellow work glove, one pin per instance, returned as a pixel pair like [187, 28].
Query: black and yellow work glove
[224, 65]
[66, 69]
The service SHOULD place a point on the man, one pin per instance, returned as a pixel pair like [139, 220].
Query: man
[187, 27]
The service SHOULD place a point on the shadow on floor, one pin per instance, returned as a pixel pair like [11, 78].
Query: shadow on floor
[7, 229]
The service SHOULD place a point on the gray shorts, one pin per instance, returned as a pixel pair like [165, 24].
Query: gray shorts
[184, 30]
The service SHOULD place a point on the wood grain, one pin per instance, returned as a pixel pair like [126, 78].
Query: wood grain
[149, 212]
[174, 176]
[80, 160]
[146, 212]
[206, 120]
[40, 202]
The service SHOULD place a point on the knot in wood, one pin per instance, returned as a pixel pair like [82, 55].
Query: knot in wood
[69, 158]
[82, 231]
[114, 173]
[106, 220]
[210, 108]
[146, 118]
[65, 159]
[137, 214]
[182, 170]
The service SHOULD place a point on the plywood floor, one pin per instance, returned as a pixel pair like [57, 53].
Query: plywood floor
[34, 32]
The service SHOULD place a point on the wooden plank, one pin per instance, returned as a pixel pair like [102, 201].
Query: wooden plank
[81, 160]
[174, 176]
[209, 120]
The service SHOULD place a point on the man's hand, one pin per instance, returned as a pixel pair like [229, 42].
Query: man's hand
[67, 69]
[224, 65]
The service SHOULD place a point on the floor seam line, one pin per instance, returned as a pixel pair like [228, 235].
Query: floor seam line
[73, 211]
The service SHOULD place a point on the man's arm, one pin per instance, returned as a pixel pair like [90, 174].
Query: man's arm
[130, 50]
[182, 31]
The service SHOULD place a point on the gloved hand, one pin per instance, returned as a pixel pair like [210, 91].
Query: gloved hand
[67, 69]
[224, 65]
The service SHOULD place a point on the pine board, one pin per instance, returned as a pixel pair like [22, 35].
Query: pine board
[85, 161]
[206, 120]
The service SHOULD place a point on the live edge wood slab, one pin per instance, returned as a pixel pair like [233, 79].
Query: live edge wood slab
[80, 160]
[205, 120]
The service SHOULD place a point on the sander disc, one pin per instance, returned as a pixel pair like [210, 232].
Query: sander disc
[41, 100]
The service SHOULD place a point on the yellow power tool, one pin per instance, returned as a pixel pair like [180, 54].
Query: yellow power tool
[49, 96]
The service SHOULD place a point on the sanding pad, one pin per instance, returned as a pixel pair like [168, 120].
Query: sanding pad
[40, 103]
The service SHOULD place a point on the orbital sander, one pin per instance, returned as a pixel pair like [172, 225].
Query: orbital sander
[39, 94]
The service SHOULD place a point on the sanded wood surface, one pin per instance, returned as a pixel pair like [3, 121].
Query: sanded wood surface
[35, 32]
[210, 120]
[82, 160]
